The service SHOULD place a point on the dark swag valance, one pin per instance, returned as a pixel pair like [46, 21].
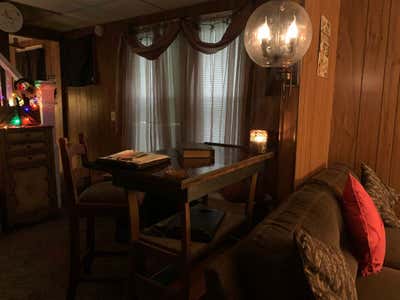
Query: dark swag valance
[190, 30]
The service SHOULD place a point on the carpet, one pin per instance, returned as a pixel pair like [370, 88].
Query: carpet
[34, 263]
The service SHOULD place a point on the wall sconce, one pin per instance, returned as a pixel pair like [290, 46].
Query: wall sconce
[258, 141]
[278, 34]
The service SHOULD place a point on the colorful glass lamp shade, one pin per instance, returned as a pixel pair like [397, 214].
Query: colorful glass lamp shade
[278, 34]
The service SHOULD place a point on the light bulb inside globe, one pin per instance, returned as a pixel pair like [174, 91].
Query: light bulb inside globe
[264, 32]
[278, 34]
[292, 33]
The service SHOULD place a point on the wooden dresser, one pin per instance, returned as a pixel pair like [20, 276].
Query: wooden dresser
[28, 190]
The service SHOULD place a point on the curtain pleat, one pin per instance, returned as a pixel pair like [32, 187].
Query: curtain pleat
[190, 30]
[158, 46]
[238, 22]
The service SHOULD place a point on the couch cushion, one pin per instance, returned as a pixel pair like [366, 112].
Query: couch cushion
[392, 258]
[384, 197]
[326, 269]
[384, 285]
[365, 226]
[334, 178]
[103, 192]
[268, 260]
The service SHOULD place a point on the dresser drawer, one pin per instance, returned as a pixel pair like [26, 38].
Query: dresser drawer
[30, 189]
[26, 137]
[26, 161]
[26, 149]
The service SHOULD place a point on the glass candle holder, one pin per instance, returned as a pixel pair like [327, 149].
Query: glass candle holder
[278, 34]
[258, 140]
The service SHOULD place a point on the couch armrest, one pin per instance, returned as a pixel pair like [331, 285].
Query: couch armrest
[221, 279]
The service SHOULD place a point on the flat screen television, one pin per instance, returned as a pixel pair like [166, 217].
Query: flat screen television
[78, 61]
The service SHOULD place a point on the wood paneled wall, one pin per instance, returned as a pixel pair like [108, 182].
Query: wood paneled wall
[366, 110]
[90, 107]
[316, 95]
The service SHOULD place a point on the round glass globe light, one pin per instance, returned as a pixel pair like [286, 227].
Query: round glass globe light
[278, 34]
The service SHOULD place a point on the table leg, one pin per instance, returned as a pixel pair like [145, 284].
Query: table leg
[252, 195]
[186, 255]
[135, 232]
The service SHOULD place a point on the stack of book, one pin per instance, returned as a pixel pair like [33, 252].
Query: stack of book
[196, 155]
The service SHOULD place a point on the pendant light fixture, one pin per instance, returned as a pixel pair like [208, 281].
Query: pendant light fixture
[278, 34]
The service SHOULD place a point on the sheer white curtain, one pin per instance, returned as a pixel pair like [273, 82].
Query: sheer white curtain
[215, 112]
[151, 99]
[186, 96]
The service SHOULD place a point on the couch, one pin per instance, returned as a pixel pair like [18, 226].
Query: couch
[266, 264]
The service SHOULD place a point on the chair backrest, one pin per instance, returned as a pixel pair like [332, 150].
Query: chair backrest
[73, 172]
[84, 155]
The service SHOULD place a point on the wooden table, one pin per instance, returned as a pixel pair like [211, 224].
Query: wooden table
[231, 165]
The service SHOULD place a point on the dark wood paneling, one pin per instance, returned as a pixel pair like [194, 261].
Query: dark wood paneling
[366, 127]
[372, 85]
[388, 123]
[391, 105]
[39, 33]
[89, 108]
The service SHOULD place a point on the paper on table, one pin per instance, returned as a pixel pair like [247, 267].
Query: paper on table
[136, 157]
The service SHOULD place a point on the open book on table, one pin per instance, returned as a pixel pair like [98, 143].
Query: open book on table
[136, 159]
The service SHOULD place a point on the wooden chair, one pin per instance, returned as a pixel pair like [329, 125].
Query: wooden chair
[99, 199]
[94, 173]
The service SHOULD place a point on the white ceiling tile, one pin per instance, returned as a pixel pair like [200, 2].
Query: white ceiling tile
[59, 6]
[61, 23]
[73, 14]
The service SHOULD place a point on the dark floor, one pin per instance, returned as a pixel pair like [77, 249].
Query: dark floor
[34, 264]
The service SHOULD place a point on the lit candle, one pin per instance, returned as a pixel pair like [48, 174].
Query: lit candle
[264, 32]
[258, 140]
[292, 33]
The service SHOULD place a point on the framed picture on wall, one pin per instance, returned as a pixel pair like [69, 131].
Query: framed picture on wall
[324, 46]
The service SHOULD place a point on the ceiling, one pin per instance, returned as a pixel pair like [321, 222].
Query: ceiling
[64, 15]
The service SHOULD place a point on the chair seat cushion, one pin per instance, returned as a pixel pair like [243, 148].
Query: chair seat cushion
[392, 258]
[103, 192]
[384, 285]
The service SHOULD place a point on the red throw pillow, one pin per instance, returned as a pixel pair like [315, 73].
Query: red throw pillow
[365, 226]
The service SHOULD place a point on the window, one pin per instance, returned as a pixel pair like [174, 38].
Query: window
[155, 90]
[187, 95]
[215, 71]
